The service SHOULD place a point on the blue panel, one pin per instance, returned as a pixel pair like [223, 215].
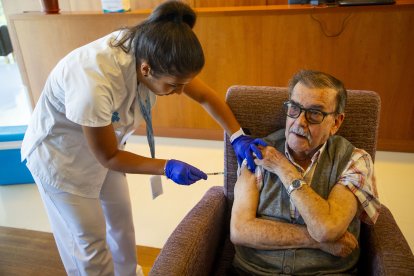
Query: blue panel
[12, 171]
[12, 133]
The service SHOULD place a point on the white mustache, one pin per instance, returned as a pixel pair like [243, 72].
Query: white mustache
[300, 131]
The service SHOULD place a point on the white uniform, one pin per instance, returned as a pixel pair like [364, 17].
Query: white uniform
[94, 85]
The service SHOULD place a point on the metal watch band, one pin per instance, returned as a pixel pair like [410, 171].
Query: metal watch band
[295, 185]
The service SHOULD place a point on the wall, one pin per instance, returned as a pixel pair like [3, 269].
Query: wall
[367, 47]
[17, 6]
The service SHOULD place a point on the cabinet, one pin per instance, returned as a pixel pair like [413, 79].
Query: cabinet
[366, 47]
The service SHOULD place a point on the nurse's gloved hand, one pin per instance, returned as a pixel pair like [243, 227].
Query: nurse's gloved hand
[245, 146]
[183, 173]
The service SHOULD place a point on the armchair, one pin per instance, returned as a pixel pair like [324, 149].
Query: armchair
[200, 245]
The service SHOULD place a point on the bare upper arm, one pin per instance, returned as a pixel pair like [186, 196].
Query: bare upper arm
[246, 193]
[246, 197]
[343, 205]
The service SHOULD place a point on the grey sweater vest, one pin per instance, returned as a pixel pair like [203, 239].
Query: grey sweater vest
[274, 205]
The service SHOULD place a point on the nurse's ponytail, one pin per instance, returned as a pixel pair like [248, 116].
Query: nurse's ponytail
[166, 41]
[173, 11]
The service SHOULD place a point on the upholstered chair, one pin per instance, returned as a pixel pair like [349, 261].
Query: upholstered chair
[200, 245]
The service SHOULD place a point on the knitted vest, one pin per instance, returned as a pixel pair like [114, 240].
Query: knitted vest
[274, 204]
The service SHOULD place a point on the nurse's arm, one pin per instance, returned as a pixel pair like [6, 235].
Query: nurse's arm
[213, 104]
[103, 144]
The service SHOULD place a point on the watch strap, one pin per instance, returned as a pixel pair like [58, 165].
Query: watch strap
[294, 186]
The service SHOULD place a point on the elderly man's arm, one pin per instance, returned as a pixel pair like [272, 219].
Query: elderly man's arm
[247, 230]
[326, 220]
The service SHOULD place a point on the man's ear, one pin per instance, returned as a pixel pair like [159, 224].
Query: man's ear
[145, 68]
[338, 122]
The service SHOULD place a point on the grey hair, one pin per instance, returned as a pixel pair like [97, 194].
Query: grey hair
[316, 79]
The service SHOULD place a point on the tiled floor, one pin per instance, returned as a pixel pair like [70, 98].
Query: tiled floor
[21, 207]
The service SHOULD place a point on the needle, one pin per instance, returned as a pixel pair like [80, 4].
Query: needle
[214, 173]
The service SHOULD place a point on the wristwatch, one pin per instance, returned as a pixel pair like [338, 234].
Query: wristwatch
[295, 185]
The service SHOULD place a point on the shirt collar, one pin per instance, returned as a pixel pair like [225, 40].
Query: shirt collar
[314, 159]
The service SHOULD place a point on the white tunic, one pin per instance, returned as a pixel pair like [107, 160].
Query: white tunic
[94, 85]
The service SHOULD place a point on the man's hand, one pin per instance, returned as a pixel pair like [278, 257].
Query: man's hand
[276, 162]
[342, 247]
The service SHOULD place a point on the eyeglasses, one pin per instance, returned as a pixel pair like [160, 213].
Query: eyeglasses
[313, 116]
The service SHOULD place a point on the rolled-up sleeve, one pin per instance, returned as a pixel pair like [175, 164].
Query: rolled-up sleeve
[359, 177]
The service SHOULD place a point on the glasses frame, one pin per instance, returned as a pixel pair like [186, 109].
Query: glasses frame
[306, 110]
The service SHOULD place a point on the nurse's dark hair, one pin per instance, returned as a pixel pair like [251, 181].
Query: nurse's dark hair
[316, 79]
[166, 41]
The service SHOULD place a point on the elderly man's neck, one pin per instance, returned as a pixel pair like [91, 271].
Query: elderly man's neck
[304, 159]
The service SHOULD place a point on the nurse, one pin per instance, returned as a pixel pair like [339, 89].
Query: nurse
[93, 100]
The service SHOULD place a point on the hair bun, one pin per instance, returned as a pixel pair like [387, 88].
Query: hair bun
[173, 11]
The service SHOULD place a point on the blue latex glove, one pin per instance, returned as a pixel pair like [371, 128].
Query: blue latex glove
[245, 146]
[183, 173]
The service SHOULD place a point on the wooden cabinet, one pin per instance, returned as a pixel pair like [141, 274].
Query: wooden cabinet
[367, 47]
[16, 6]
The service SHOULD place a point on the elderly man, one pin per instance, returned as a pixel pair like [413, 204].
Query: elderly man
[300, 213]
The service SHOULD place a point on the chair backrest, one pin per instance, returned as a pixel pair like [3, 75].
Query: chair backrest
[260, 109]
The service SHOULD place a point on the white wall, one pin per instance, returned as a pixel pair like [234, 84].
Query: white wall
[395, 182]
[21, 207]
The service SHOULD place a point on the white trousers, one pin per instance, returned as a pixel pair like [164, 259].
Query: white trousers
[94, 236]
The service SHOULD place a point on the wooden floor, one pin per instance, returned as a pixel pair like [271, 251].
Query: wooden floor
[27, 252]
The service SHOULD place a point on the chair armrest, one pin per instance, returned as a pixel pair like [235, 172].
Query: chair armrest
[192, 247]
[384, 250]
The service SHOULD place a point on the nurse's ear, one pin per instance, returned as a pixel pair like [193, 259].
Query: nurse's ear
[145, 69]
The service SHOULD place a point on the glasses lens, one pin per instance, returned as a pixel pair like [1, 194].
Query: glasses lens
[314, 116]
[292, 110]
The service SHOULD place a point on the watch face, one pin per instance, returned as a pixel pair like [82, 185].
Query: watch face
[296, 183]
